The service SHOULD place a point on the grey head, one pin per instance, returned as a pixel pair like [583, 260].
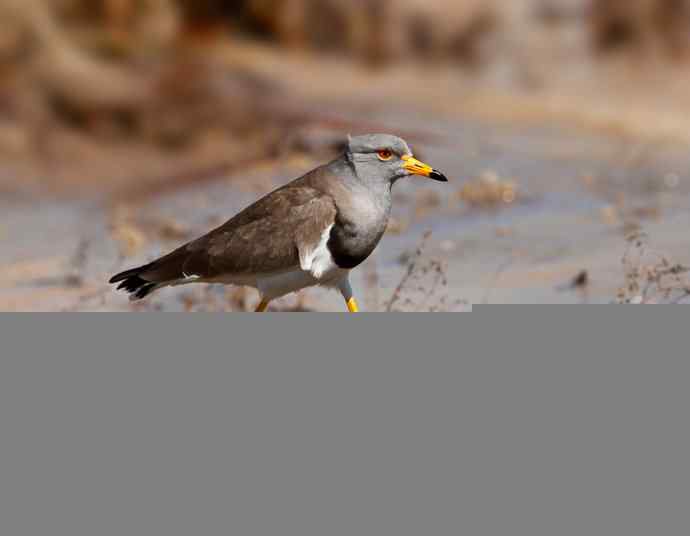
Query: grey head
[383, 158]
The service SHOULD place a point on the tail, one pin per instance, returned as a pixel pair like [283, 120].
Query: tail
[133, 282]
[168, 270]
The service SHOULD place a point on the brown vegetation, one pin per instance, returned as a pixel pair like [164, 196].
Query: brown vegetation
[88, 78]
[112, 82]
[651, 277]
[423, 286]
[646, 25]
[373, 30]
[488, 192]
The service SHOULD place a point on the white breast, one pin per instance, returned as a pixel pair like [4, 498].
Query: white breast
[318, 260]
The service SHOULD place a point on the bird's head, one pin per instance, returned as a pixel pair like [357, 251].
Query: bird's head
[382, 157]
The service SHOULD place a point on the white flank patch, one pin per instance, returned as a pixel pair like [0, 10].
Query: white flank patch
[318, 261]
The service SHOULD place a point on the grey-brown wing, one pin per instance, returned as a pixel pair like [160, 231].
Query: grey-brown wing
[264, 238]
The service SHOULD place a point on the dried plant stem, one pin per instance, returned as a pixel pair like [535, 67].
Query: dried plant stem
[411, 269]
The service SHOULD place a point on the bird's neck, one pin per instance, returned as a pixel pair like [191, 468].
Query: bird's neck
[377, 195]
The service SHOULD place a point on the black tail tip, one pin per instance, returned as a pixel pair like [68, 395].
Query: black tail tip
[137, 287]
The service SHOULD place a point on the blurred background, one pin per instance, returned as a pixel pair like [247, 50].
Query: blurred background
[130, 126]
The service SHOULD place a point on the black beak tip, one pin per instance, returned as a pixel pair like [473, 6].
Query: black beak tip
[438, 176]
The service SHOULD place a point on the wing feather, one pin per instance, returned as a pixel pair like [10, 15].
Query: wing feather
[269, 236]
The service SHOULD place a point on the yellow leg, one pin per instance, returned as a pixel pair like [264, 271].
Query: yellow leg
[352, 305]
[261, 308]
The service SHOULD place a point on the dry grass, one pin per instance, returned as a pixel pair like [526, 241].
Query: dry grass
[489, 192]
[651, 277]
[127, 234]
[379, 31]
[647, 26]
[424, 285]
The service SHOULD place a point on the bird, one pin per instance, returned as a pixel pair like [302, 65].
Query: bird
[311, 232]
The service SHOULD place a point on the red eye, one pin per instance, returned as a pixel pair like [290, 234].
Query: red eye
[385, 154]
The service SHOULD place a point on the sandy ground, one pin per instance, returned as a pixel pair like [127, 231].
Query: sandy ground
[578, 193]
[586, 161]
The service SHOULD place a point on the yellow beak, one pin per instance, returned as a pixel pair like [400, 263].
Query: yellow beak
[416, 167]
